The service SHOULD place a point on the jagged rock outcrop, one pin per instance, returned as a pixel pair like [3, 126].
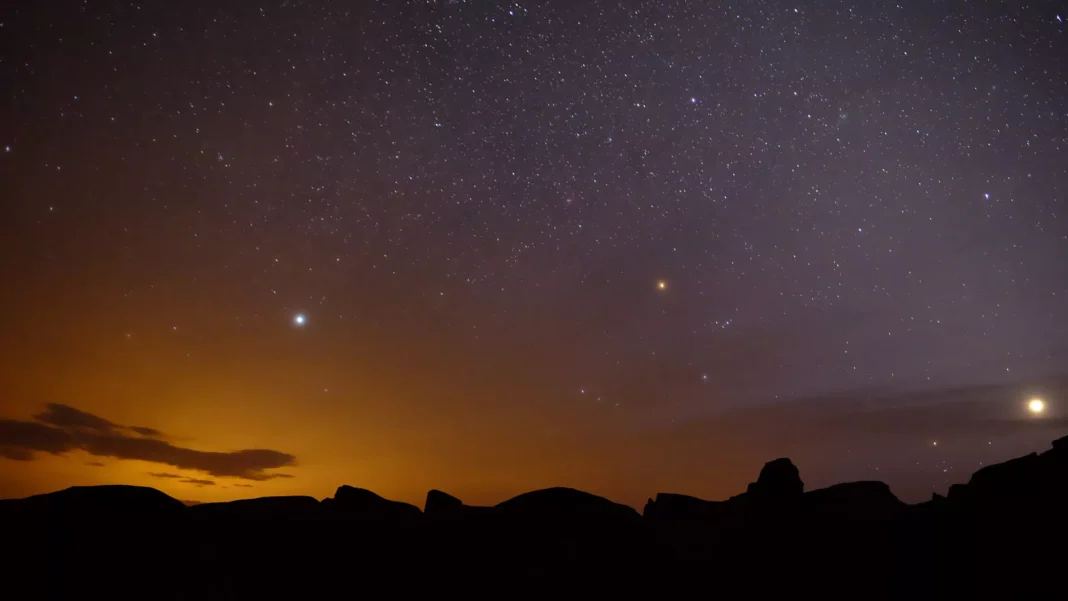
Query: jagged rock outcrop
[364, 504]
[1060, 445]
[438, 502]
[779, 482]
[676, 507]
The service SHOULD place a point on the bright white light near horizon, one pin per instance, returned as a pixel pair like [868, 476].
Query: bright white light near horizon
[1036, 406]
[299, 319]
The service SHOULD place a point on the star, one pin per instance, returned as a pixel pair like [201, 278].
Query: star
[355, 201]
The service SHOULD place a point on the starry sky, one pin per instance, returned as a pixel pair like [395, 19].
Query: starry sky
[271, 248]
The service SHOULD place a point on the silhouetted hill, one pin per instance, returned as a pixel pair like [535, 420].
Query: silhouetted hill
[263, 508]
[998, 535]
[97, 502]
[854, 500]
[563, 504]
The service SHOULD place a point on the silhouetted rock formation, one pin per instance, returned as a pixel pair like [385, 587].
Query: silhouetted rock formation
[778, 485]
[857, 500]
[437, 502]
[1032, 483]
[263, 508]
[1060, 446]
[996, 536]
[854, 500]
[364, 504]
[670, 506]
[779, 482]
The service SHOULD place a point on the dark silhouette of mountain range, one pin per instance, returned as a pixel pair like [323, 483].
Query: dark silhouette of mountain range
[1002, 534]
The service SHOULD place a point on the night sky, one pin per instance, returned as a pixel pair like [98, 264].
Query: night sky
[492, 246]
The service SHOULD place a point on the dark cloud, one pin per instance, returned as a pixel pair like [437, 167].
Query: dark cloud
[94, 464]
[243, 485]
[16, 454]
[61, 429]
[150, 432]
[66, 417]
[19, 439]
[69, 418]
[198, 482]
[163, 475]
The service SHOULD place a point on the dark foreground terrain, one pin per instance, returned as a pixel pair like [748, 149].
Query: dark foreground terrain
[1001, 535]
